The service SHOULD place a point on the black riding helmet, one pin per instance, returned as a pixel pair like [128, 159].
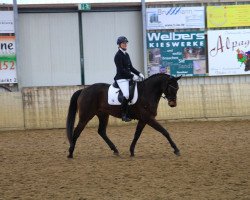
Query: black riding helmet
[121, 39]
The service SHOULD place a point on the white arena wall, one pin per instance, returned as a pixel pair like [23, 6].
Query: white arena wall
[46, 107]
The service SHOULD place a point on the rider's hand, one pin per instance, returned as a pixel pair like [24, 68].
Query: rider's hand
[135, 78]
[141, 75]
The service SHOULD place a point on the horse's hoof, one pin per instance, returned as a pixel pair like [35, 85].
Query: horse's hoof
[70, 156]
[177, 153]
[132, 155]
[116, 153]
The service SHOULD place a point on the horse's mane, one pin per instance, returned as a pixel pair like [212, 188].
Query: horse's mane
[157, 75]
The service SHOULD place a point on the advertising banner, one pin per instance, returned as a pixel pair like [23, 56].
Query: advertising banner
[228, 16]
[175, 18]
[7, 22]
[229, 52]
[7, 60]
[176, 53]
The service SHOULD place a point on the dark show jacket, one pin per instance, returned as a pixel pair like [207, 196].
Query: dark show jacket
[124, 66]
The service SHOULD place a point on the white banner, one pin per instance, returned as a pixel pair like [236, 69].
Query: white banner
[228, 51]
[175, 18]
[7, 60]
[7, 22]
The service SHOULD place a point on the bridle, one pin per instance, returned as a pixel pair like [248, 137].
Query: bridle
[169, 98]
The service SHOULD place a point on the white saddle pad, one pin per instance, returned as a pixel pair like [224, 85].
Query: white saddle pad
[113, 96]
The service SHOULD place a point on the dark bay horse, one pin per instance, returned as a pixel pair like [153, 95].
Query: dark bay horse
[93, 100]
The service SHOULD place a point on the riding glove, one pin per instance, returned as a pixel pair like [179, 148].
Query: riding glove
[135, 77]
[141, 75]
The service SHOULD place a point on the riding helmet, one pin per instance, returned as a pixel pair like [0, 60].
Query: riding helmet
[121, 39]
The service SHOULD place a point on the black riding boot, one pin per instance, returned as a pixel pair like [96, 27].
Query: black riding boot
[125, 110]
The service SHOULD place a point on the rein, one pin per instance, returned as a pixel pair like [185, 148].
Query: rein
[165, 94]
[165, 97]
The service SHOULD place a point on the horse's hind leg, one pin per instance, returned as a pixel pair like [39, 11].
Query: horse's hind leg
[103, 122]
[79, 128]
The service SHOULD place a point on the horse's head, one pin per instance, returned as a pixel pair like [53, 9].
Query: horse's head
[170, 91]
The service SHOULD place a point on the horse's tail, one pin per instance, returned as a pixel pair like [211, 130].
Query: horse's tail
[72, 115]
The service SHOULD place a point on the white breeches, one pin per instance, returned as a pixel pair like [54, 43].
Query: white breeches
[124, 86]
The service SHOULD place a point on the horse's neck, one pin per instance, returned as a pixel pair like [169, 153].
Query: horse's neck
[153, 89]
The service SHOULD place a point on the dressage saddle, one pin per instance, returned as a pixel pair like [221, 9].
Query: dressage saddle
[131, 90]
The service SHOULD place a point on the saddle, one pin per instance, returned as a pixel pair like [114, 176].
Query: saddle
[115, 95]
[131, 90]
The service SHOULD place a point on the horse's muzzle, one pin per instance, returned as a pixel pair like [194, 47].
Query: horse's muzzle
[172, 103]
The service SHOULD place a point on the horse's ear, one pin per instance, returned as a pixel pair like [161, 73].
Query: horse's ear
[177, 78]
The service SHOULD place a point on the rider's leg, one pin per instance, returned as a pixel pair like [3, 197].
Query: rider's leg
[124, 86]
[124, 105]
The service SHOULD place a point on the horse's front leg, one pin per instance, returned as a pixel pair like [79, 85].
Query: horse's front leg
[154, 124]
[138, 131]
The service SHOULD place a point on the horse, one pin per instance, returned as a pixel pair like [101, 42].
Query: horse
[93, 100]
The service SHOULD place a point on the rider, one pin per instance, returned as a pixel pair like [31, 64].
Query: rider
[124, 72]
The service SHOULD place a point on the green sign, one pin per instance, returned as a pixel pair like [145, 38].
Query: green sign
[84, 6]
[176, 53]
